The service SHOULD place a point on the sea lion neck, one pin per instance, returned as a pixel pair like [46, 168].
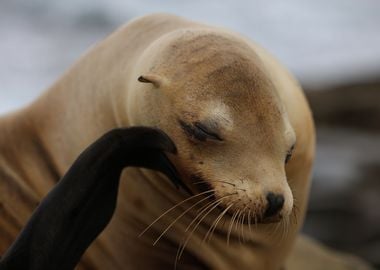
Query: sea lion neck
[83, 105]
[27, 158]
[70, 119]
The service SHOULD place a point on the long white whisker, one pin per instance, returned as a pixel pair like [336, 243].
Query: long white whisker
[214, 225]
[230, 227]
[211, 208]
[219, 181]
[237, 225]
[181, 215]
[202, 210]
[249, 221]
[282, 227]
[242, 224]
[170, 209]
[196, 226]
[287, 226]
[274, 232]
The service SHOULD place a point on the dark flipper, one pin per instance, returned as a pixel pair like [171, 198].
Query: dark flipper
[80, 206]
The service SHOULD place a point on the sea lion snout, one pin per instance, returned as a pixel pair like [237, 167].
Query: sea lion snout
[258, 203]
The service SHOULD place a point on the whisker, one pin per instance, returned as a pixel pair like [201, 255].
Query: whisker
[295, 203]
[237, 225]
[242, 224]
[249, 221]
[275, 232]
[296, 212]
[181, 215]
[201, 212]
[282, 224]
[170, 209]
[203, 209]
[284, 229]
[220, 181]
[217, 221]
[210, 228]
[201, 219]
[230, 227]
[211, 208]
[256, 221]
[287, 226]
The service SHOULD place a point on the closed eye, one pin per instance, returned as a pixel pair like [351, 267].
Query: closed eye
[200, 131]
[289, 154]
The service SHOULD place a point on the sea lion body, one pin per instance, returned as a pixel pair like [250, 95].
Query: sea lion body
[81, 204]
[194, 71]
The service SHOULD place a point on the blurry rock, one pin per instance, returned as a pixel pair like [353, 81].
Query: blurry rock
[309, 254]
[356, 105]
[345, 196]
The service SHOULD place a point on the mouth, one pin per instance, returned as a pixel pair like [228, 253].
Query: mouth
[274, 219]
[251, 219]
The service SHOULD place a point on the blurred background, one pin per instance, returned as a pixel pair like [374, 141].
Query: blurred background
[332, 47]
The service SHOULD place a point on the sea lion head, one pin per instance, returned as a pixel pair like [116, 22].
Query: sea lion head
[211, 93]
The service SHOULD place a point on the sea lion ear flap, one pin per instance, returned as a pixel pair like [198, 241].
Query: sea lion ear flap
[151, 78]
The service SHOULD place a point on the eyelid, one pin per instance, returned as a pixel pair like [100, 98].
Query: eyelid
[192, 129]
[204, 128]
[289, 153]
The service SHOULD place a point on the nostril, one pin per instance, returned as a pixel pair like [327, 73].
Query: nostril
[275, 204]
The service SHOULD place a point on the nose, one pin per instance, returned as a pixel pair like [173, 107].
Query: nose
[275, 204]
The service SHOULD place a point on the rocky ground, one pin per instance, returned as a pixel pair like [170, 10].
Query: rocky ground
[345, 198]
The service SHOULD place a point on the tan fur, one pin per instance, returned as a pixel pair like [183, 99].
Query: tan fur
[198, 72]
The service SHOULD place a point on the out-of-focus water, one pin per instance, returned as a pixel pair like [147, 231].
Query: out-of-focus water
[322, 42]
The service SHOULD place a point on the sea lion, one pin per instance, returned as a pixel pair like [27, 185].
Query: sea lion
[235, 115]
[80, 206]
